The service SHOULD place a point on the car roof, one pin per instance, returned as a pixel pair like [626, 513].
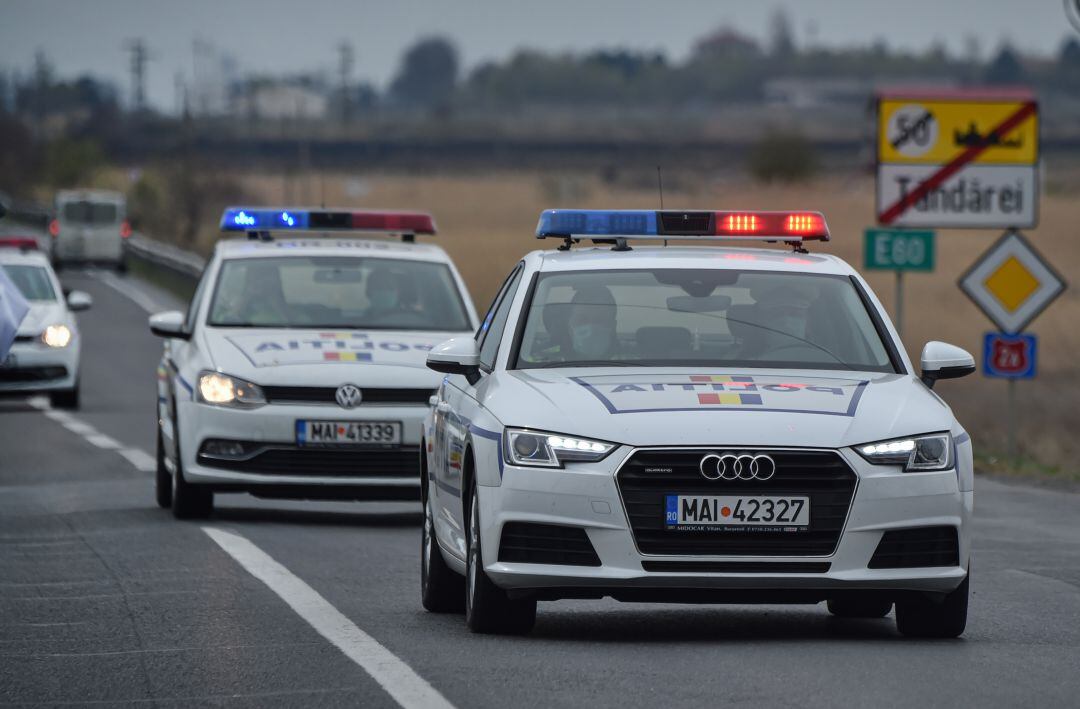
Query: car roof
[746, 259]
[23, 257]
[330, 246]
[88, 194]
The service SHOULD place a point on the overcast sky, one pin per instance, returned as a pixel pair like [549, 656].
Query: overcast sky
[293, 36]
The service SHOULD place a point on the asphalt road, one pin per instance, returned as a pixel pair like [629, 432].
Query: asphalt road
[106, 599]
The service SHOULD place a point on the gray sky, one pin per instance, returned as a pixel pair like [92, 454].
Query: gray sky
[282, 36]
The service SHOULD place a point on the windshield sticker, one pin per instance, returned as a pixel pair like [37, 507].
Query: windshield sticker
[622, 394]
[272, 349]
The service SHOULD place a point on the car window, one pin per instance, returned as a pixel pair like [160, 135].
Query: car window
[90, 213]
[337, 292]
[32, 281]
[495, 322]
[690, 317]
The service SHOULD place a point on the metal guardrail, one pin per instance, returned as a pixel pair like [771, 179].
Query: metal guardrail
[167, 256]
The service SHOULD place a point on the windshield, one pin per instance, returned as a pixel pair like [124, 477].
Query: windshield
[337, 292]
[91, 213]
[693, 317]
[32, 281]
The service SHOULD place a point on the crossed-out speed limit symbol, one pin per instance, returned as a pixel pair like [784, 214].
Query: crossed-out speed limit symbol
[912, 130]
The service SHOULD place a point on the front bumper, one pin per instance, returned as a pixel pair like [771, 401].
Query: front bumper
[280, 468]
[41, 368]
[588, 497]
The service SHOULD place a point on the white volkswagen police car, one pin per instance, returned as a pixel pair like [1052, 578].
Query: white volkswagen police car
[298, 369]
[45, 355]
[694, 424]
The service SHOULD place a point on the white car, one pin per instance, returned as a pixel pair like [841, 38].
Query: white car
[45, 355]
[298, 369]
[694, 424]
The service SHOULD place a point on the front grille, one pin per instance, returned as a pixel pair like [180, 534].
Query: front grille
[822, 476]
[738, 567]
[32, 374]
[529, 543]
[374, 396]
[916, 548]
[397, 463]
[24, 338]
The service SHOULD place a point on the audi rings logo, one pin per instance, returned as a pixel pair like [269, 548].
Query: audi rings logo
[743, 466]
[348, 396]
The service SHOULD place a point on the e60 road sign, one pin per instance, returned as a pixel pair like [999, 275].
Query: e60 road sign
[899, 250]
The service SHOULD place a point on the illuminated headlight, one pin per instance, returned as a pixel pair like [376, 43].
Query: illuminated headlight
[56, 336]
[918, 453]
[222, 390]
[551, 450]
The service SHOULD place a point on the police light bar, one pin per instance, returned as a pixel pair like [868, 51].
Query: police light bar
[672, 224]
[23, 243]
[249, 219]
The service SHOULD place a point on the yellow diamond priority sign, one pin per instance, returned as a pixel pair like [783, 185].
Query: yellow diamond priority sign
[1012, 283]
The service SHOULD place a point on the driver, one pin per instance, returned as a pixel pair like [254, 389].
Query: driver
[592, 323]
[782, 314]
[383, 293]
[264, 300]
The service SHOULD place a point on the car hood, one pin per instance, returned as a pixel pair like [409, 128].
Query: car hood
[325, 358]
[40, 316]
[718, 407]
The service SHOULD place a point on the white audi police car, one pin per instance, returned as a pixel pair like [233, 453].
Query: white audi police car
[298, 369]
[45, 355]
[694, 424]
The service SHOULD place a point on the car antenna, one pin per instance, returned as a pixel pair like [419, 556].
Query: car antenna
[660, 185]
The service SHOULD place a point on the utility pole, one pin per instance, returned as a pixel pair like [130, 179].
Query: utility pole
[346, 59]
[139, 57]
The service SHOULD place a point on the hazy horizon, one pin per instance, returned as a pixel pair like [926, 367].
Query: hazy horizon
[285, 37]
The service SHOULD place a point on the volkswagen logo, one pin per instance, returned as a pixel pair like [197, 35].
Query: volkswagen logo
[742, 466]
[348, 396]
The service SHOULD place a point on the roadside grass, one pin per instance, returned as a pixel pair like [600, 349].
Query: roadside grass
[1028, 470]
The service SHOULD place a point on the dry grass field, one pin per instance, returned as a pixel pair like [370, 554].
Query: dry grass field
[486, 223]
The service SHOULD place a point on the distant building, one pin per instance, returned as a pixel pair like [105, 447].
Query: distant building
[282, 99]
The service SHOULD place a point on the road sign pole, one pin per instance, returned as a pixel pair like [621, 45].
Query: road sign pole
[1011, 420]
[900, 304]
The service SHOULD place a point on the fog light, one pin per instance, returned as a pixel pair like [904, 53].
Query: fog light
[223, 449]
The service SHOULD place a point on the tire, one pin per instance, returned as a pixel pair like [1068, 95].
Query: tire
[487, 607]
[65, 398]
[860, 607]
[162, 479]
[441, 589]
[189, 501]
[926, 618]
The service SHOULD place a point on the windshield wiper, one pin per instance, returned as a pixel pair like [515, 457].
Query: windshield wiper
[586, 363]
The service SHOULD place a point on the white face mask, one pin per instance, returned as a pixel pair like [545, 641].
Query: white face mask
[591, 340]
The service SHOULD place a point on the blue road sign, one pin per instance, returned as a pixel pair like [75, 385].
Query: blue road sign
[1009, 356]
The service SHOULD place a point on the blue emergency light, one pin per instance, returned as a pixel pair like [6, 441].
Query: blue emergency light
[675, 224]
[261, 219]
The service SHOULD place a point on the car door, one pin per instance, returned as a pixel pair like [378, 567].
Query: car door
[455, 411]
[180, 365]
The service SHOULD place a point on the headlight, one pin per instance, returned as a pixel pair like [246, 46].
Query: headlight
[222, 390]
[551, 450]
[56, 336]
[917, 453]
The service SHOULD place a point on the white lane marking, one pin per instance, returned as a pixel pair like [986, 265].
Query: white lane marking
[129, 290]
[398, 679]
[140, 459]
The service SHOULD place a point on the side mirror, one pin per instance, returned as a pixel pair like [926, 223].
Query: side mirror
[78, 300]
[941, 360]
[169, 324]
[458, 355]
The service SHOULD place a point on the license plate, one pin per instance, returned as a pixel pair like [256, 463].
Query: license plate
[707, 512]
[9, 362]
[347, 433]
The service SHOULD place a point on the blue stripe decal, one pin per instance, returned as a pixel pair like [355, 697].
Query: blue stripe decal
[183, 382]
[491, 436]
[962, 438]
